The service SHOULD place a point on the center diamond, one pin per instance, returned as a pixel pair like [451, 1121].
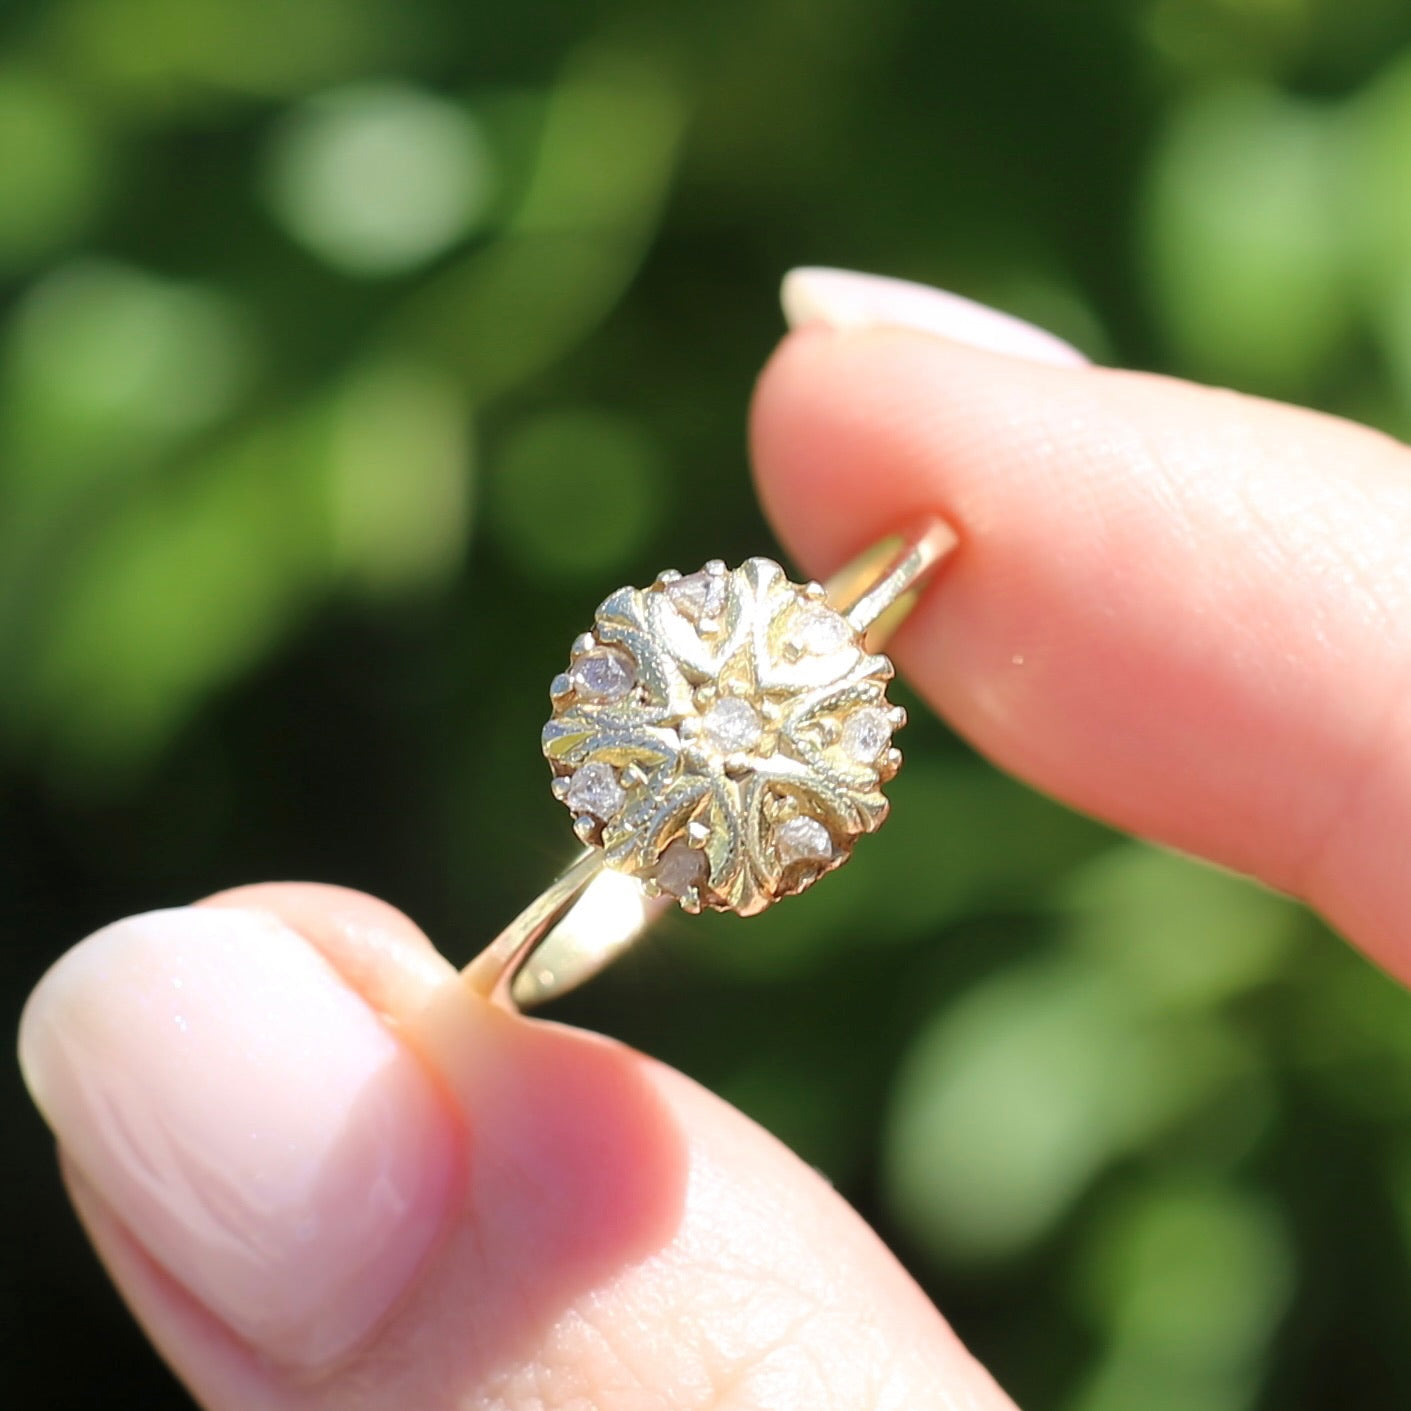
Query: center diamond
[732, 725]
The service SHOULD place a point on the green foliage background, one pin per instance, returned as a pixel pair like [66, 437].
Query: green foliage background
[351, 350]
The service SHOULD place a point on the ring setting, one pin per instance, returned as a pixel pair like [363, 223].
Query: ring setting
[723, 736]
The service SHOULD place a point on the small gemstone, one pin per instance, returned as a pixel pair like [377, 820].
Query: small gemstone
[802, 839]
[732, 724]
[698, 595]
[819, 630]
[866, 733]
[560, 685]
[595, 790]
[680, 868]
[603, 674]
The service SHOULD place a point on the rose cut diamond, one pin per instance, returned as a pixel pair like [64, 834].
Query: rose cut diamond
[819, 630]
[866, 733]
[604, 674]
[698, 596]
[680, 868]
[802, 839]
[594, 789]
[732, 725]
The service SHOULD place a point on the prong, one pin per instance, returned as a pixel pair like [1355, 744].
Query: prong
[897, 717]
[584, 642]
[815, 591]
[559, 788]
[716, 567]
[586, 826]
[696, 758]
[697, 833]
[691, 902]
[560, 687]
[668, 575]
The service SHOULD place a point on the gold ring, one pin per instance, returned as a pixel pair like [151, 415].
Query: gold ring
[721, 739]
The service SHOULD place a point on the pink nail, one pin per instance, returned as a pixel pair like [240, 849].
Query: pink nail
[250, 1120]
[843, 299]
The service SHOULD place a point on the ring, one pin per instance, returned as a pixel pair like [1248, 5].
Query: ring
[721, 739]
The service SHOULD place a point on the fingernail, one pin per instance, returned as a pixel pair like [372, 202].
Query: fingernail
[249, 1119]
[843, 299]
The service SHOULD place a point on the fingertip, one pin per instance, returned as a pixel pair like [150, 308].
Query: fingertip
[1175, 607]
[263, 1135]
[849, 299]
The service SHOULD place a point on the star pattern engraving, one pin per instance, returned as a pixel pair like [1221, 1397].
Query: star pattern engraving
[720, 705]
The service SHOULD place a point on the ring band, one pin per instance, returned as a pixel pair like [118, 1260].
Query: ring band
[721, 738]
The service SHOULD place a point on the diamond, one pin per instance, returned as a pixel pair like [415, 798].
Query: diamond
[594, 789]
[680, 868]
[819, 630]
[698, 595]
[732, 725]
[866, 733]
[802, 839]
[603, 674]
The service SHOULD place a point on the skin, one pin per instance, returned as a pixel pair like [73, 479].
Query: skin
[1184, 611]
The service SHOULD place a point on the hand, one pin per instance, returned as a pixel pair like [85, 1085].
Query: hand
[324, 1175]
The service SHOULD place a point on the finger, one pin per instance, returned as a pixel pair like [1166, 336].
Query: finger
[1183, 610]
[311, 1204]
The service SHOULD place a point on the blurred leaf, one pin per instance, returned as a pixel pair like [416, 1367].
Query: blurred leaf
[1188, 1282]
[1019, 1093]
[1351, 1026]
[379, 178]
[400, 468]
[52, 175]
[1183, 932]
[103, 358]
[607, 146]
[175, 595]
[164, 54]
[1246, 238]
[1252, 37]
[575, 493]
[606, 154]
[1193, 1271]
[1377, 139]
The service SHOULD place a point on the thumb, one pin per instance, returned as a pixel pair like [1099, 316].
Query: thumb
[325, 1174]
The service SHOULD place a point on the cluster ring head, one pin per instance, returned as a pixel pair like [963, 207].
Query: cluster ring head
[723, 735]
